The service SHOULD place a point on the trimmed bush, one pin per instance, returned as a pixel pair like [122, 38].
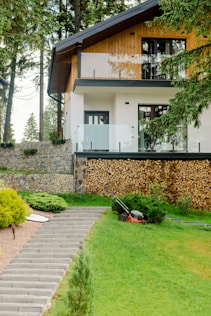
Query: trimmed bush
[152, 208]
[46, 202]
[13, 210]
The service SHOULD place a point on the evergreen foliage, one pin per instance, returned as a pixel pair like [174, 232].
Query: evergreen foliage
[46, 202]
[13, 210]
[32, 26]
[31, 133]
[50, 119]
[79, 293]
[151, 207]
[21, 30]
[194, 91]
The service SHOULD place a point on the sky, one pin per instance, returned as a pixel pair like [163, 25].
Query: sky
[25, 102]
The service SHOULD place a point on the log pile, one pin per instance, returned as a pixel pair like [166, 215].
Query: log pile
[119, 176]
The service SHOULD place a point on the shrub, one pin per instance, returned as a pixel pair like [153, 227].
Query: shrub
[80, 293]
[30, 151]
[184, 202]
[157, 191]
[148, 205]
[46, 202]
[13, 210]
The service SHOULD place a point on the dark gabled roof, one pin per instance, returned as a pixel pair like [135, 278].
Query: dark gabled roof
[60, 67]
[3, 82]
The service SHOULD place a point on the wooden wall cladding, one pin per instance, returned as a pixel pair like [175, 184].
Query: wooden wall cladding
[129, 41]
[119, 176]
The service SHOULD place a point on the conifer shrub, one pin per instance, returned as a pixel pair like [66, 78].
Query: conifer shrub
[13, 210]
[46, 202]
[80, 292]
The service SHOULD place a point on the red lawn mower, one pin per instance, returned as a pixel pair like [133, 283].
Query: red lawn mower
[131, 216]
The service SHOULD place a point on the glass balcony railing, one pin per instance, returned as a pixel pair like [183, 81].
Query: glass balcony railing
[122, 66]
[125, 138]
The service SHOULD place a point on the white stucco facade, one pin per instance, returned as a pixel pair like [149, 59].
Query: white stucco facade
[123, 117]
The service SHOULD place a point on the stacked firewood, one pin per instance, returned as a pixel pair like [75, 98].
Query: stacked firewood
[175, 177]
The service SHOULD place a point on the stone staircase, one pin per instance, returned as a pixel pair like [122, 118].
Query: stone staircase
[29, 282]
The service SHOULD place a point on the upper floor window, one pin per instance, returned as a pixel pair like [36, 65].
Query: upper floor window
[153, 49]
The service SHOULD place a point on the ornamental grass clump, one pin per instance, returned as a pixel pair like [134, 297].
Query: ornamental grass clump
[13, 210]
[46, 202]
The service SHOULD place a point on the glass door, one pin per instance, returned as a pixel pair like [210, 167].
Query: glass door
[96, 131]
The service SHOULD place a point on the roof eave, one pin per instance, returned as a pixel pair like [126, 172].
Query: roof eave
[63, 50]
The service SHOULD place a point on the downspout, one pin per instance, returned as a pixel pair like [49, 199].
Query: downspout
[79, 46]
[50, 79]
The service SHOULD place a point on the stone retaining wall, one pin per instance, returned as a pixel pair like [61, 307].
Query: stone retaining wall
[55, 160]
[122, 176]
[49, 183]
[48, 158]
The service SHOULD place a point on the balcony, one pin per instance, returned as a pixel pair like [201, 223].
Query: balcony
[122, 67]
[127, 138]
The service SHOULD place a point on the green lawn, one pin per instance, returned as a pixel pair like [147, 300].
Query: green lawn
[148, 270]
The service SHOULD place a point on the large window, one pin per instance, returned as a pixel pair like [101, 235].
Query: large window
[149, 141]
[146, 113]
[153, 50]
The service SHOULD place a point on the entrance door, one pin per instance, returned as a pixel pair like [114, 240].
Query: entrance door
[96, 130]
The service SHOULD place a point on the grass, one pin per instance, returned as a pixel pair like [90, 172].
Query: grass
[188, 214]
[73, 199]
[8, 171]
[25, 172]
[86, 199]
[147, 269]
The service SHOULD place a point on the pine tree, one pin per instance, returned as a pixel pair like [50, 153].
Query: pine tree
[194, 91]
[31, 131]
[50, 119]
[21, 32]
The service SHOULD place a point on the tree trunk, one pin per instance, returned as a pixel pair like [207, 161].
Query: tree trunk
[41, 133]
[77, 4]
[59, 95]
[10, 99]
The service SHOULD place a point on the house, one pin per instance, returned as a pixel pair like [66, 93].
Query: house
[110, 77]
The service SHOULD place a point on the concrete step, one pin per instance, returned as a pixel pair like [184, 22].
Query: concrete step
[40, 260]
[42, 266]
[18, 313]
[30, 277]
[27, 285]
[71, 219]
[28, 271]
[49, 250]
[63, 233]
[29, 282]
[33, 299]
[25, 291]
[75, 234]
[20, 307]
[66, 225]
[51, 245]
[66, 253]
[57, 243]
